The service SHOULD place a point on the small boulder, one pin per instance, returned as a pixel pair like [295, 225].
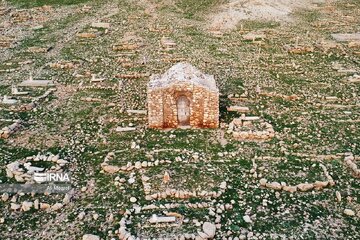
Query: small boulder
[305, 186]
[90, 237]
[349, 212]
[209, 229]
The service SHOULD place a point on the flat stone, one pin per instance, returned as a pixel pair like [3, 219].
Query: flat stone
[15, 206]
[162, 219]
[223, 185]
[290, 189]
[111, 169]
[26, 206]
[100, 25]
[274, 185]
[263, 182]
[349, 212]
[238, 109]
[56, 206]
[86, 35]
[346, 37]
[90, 237]
[247, 219]
[125, 129]
[209, 229]
[130, 111]
[36, 83]
[305, 187]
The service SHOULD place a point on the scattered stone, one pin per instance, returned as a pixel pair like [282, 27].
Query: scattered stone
[56, 206]
[253, 36]
[125, 129]
[90, 237]
[166, 177]
[209, 229]
[100, 25]
[15, 206]
[223, 185]
[305, 187]
[346, 37]
[162, 219]
[133, 200]
[26, 206]
[263, 182]
[338, 196]
[111, 169]
[86, 35]
[247, 219]
[274, 186]
[349, 212]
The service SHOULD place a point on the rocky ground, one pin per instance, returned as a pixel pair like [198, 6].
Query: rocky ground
[284, 163]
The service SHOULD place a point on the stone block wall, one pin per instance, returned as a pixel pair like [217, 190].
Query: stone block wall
[162, 106]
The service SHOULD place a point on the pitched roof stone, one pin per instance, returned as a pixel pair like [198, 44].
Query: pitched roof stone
[183, 73]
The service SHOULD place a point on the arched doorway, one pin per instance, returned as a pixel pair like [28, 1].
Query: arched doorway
[183, 111]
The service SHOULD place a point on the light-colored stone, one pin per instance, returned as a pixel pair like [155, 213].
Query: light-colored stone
[90, 237]
[100, 25]
[44, 206]
[338, 196]
[15, 206]
[274, 185]
[305, 186]
[349, 212]
[290, 189]
[209, 229]
[111, 169]
[26, 206]
[247, 219]
[263, 182]
[223, 185]
[56, 206]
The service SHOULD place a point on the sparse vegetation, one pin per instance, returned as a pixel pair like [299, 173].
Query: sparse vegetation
[293, 75]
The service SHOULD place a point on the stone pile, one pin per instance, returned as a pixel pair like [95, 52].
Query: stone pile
[199, 205]
[349, 161]
[179, 194]
[303, 187]
[208, 230]
[130, 166]
[244, 129]
[6, 132]
[36, 204]
[298, 49]
[63, 65]
[22, 170]
[354, 79]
